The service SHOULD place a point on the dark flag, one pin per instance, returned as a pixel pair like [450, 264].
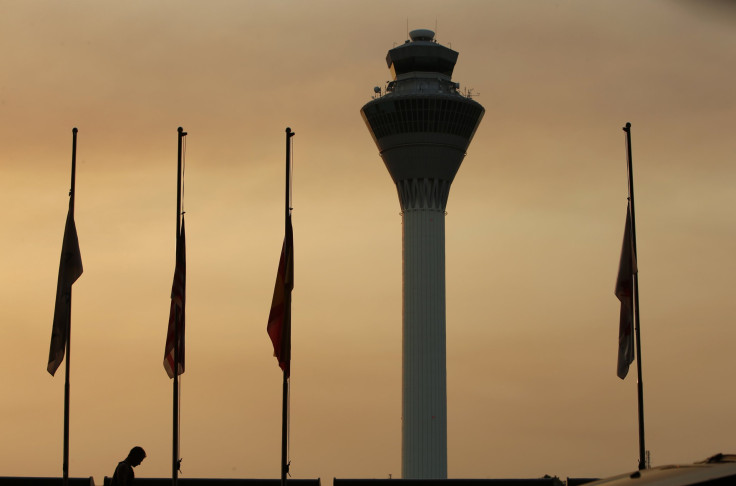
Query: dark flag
[279, 319]
[625, 293]
[70, 268]
[176, 314]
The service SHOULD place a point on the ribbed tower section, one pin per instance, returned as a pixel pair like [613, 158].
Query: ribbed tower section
[422, 127]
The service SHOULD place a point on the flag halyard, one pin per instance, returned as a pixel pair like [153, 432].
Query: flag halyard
[70, 269]
[175, 333]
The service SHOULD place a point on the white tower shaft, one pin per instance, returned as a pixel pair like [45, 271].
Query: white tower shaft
[424, 404]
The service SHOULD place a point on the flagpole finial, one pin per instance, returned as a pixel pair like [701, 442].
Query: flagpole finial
[74, 130]
[289, 132]
[181, 132]
[627, 127]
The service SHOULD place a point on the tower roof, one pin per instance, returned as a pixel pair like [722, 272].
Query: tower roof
[421, 54]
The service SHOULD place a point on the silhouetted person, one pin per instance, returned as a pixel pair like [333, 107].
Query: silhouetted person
[124, 475]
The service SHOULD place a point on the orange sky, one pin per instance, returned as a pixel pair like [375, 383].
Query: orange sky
[534, 226]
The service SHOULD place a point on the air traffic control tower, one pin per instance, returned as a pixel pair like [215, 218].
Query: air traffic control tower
[422, 126]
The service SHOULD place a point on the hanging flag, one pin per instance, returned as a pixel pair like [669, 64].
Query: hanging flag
[625, 293]
[70, 268]
[279, 319]
[176, 314]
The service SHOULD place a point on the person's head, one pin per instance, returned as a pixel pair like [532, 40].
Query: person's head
[136, 456]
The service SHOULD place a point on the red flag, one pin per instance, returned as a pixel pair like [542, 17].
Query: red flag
[70, 269]
[279, 319]
[176, 314]
[625, 293]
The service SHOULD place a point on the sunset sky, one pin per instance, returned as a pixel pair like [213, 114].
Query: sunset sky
[534, 225]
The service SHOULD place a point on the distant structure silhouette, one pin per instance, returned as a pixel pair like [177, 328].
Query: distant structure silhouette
[422, 126]
[124, 475]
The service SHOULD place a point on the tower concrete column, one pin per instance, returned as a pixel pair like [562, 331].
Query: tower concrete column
[424, 383]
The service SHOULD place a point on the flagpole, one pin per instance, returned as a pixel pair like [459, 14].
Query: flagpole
[175, 427]
[640, 384]
[284, 430]
[67, 388]
[287, 318]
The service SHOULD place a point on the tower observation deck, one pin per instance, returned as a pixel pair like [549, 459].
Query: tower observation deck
[422, 127]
